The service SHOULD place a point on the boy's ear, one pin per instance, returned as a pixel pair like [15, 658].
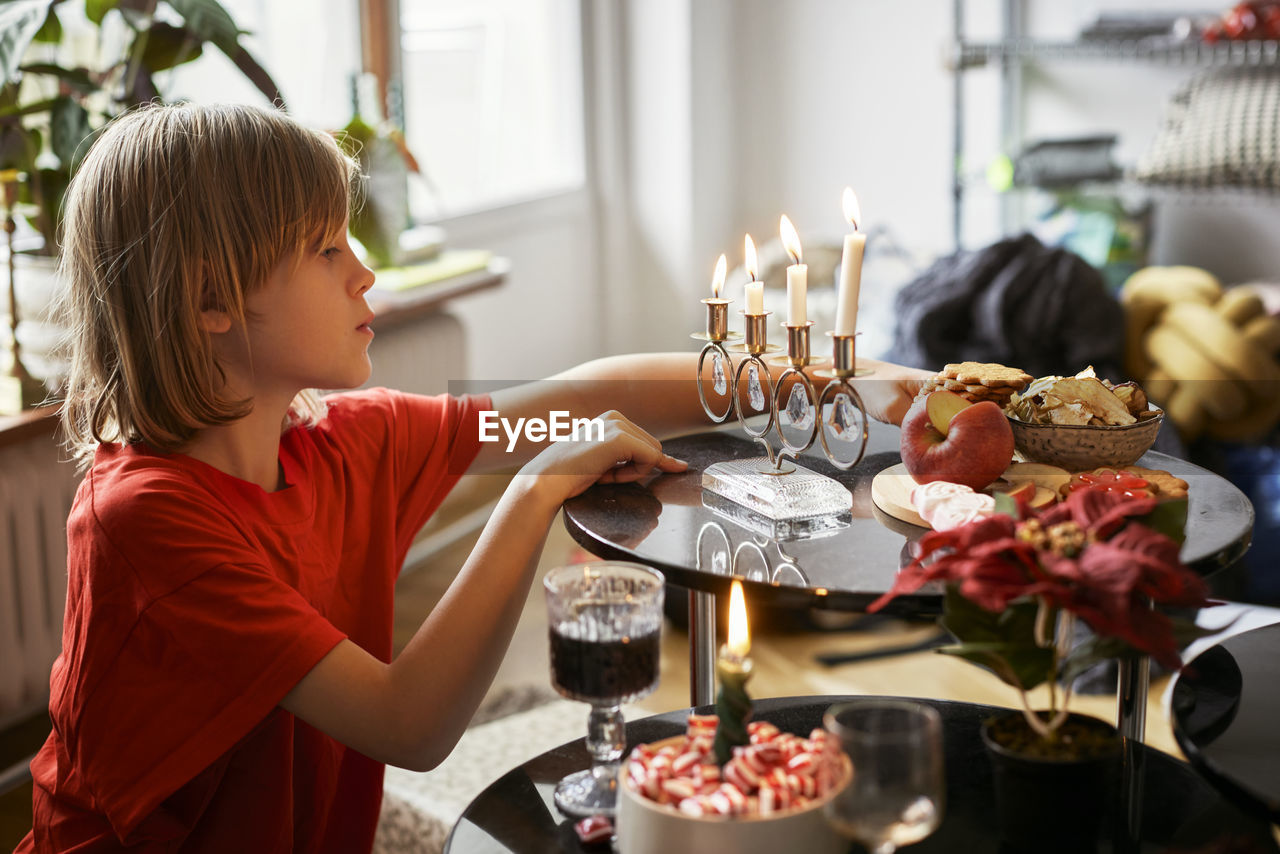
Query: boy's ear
[213, 317]
[215, 321]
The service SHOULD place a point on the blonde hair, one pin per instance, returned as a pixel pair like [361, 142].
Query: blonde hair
[176, 209]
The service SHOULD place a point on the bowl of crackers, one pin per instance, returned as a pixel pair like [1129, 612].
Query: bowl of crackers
[1082, 422]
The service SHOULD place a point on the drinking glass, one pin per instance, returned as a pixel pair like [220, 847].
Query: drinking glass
[897, 794]
[605, 623]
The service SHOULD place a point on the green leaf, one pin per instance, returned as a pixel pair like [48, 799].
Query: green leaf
[50, 31]
[18, 147]
[68, 127]
[28, 109]
[1094, 650]
[1006, 504]
[20, 20]
[1003, 643]
[212, 23]
[209, 21]
[76, 78]
[1169, 518]
[257, 75]
[96, 10]
[165, 46]
[50, 188]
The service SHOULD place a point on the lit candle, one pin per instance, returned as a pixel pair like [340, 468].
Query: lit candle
[755, 288]
[717, 312]
[733, 669]
[850, 269]
[717, 278]
[797, 274]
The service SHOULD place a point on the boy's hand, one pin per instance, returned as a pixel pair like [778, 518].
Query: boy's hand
[626, 453]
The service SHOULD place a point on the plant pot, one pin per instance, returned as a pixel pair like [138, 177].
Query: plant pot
[36, 283]
[1052, 798]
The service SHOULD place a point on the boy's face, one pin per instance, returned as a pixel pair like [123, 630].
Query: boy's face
[308, 326]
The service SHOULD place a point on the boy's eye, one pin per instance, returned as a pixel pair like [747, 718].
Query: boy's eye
[330, 253]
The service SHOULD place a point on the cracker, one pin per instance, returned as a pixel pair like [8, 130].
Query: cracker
[989, 374]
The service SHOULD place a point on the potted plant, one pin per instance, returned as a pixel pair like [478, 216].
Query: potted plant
[58, 92]
[1017, 582]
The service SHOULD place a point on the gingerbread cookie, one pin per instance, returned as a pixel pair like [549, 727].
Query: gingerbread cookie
[989, 374]
[1166, 484]
[1129, 480]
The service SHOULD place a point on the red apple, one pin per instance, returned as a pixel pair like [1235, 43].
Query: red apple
[975, 450]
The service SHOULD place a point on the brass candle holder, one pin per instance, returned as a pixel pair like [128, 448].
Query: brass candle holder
[839, 400]
[760, 401]
[716, 334]
[773, 485]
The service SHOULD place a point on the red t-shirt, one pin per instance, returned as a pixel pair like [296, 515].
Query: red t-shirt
[196, 601]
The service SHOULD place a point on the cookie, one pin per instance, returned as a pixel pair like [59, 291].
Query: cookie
[989, 374]
[1166, 484]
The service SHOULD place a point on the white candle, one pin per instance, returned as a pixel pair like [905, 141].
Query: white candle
[797, 274]
[755, 288]
[850, 269]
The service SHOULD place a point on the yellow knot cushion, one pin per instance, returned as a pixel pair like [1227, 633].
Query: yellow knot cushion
[1206, 354]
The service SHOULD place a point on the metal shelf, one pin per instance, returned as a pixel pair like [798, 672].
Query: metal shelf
[1155, 51]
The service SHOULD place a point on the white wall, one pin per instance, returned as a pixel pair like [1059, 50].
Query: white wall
[770, 108]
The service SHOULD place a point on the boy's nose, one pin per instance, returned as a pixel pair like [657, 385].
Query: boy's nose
[364, 279]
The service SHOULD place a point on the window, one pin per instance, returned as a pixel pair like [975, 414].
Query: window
[489, 91]
[311, 48]
[492, 100]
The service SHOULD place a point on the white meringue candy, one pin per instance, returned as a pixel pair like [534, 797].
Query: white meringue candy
[945, 505]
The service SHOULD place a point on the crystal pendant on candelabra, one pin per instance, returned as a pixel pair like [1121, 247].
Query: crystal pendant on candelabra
[799, 411]
[844, 419]
[755, 390]
[719, 381]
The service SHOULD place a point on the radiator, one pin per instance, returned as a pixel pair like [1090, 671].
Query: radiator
[36, 489]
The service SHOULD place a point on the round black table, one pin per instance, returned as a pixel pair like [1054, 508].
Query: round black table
[660, 523]
[1175, 809]
[1226, 718]
[701, 542]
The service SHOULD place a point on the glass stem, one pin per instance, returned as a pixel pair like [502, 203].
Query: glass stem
[606, 736]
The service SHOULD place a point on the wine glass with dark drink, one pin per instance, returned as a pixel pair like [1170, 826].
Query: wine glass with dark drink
[605, 626]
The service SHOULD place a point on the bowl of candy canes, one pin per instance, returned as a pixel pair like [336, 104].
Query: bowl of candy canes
[674, 796]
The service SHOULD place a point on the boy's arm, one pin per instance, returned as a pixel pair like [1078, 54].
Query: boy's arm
[658, 392]
[412, 711]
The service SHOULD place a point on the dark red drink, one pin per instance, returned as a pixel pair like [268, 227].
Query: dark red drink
[604, 671]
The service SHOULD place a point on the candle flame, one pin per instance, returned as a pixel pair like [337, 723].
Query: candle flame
[790, 240]
[717, 280]
[851, 210]
[739, 634]
[749, 257]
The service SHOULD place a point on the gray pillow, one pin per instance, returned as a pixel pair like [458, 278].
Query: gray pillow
[1222, 129]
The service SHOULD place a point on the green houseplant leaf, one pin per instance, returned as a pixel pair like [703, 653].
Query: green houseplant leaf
[20, 20]
[161, 39]
[1002, 643]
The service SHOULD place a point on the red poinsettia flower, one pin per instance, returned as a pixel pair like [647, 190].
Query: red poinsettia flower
[1091, 555]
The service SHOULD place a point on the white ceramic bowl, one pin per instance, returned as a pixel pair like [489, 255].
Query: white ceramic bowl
[644, 827]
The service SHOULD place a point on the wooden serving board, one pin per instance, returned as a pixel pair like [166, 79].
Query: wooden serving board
[891, 491]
